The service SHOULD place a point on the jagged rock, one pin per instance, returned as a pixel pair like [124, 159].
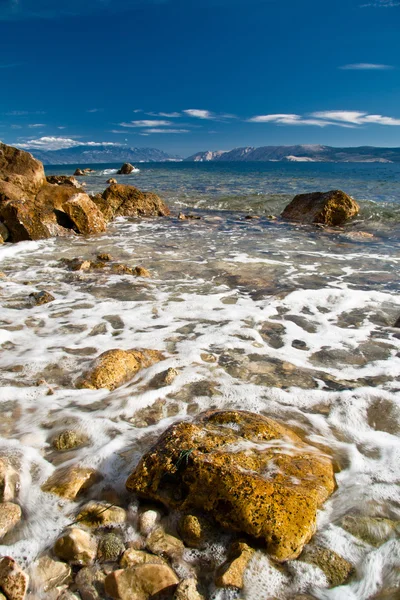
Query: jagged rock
[63, 180]
[329, 208]
[13, 580]
[141, 582]
[9, 481]
[84, 214]
[100, 514]
[115, 367]
[105, 257]
[83, 172]
[231, 574]
[4, 233]
[128, 201]
[20, 169]
[76, 547]
[10, 516]
[47, 573]
[250, 489]
[111, 180]
[187, 590]
[69, 439]
[336, 569]
[148, 520]
[374, 531]
[77, 264]
[110, 548]
[163, 544]
[142, 272]
[23, 221]
[68, 482]
[132, 557]
[40, 298]
[194, 530]
[126, 169]
[90, 583]
[164, 378]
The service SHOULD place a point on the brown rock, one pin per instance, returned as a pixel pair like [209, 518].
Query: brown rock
[397, 324]
[148, 521]
[336, 569]
[115, 367]
[68, 439]
[232, 573]
[79, 173]
[111, 180]
[63, 180]
[193, 530]
[142, 272]
[110, 548]
[126, 169]
[90, 583]
[187, 590]
[84, 213]
[77, 264]
[23, 221]
[4, 233]
[329, 208]
[68, 482]
[128, 201]
[9, 481]
[132, 557]
[141, 582]
[13, 581]
[20, 169]
[100, 514]
[47, 573]
[163, 544]
[76, 547]
[164, 378]
[10, 516]
[52, 197]
[374, 531]
[105, 257]
[236, 466]
[40, 298]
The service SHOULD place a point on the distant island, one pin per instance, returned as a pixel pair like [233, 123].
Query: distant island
[301, 153]
[89, 154]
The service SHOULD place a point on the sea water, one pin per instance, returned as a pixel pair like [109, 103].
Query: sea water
[289, 321]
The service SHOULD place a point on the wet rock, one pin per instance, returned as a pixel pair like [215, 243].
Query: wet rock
[194, 530]
[165, 378]
[128, 201]
[40, 298]
[110, 548]
[9, 481]
[397, 323]
[63, 180]
[4, 233]
[148, 521]
[132, 557]
[104, 256]
[336, 569]
[21, 170]
[10, 516]
[100, 514]
[187, 590]
[163, 544]
[115, 367]
[111, 180]
[232, 573]
[90, 583]
[47, 574]
[142, 272]
[215, 464]
[69, 439]
[122, 269]
[77, 264]
[76, 547]
[68, 482]
[141, 582]
[329, 208]
[23, 221]
[373, 531]
[126, 169]
[83, 172]
[13, 580]
[299, 345]
[85, 215]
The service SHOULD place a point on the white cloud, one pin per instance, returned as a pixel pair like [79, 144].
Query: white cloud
[366, 67]
[356, 117]
[94, 110]
[166, 131]
[34, 125]
[172, 115]
[381, 4]
[199, 114]
[289, 119]
[146, 123]
[57, 143]
[339, 118]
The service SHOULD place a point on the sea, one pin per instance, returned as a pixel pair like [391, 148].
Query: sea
[291, 321]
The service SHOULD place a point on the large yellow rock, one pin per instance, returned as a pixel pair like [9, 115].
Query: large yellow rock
[127, 201]
[252, 474]
[84, 213]
[329, 208]
[115, 367]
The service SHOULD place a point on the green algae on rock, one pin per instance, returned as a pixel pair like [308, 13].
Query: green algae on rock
[252, 474]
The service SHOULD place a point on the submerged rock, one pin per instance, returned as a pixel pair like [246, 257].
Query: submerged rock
[110, 548]
[127, 201]
[76, 547]
[251, 473]
[187, 590]
[141, 582]
[10, 516]
[40, 298]
[68, 482]
[126, 169]
[336, 569]
[101, 514]
[47, 573]
[115, 367]
[69, 439]
[13, 580]
[329, 208]
[9, 481]
[132, 557]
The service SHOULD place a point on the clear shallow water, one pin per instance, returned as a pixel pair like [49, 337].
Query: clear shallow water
[298, 320]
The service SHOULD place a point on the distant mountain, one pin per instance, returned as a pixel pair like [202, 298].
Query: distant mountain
[89, 154]
[303, 153]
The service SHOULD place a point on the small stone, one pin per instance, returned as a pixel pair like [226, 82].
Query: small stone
[141, 582]
[47, 573]
[336, 569]
[90, 583]
[40, 298]
[110, 548]
[77, 264]
[163, 544]
[142, 272]
[122, 269]
[232, 573]
[9, 481]
[164, 378]
[187, 590]
[132, 557]
[68, 482]
[148, 520]
[13, 580]
[68, 439]
[104, 257]
[100, 514]
[10, 516]
[192, 530]
[299, 345]
[111, 180]
[209, 358]
[76, 546]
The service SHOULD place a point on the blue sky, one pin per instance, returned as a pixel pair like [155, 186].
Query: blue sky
[186, 75]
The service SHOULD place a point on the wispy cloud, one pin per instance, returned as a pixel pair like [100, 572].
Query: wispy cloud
[57, 143]
[199, 114]
[23, 113]
[171, 115]
[146, 123]
[155, 130]
[381, 4]
[338, 118]
[366, 67]
[35, 125]
[94, 110]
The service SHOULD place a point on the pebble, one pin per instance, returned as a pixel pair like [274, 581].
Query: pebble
[76, 546]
